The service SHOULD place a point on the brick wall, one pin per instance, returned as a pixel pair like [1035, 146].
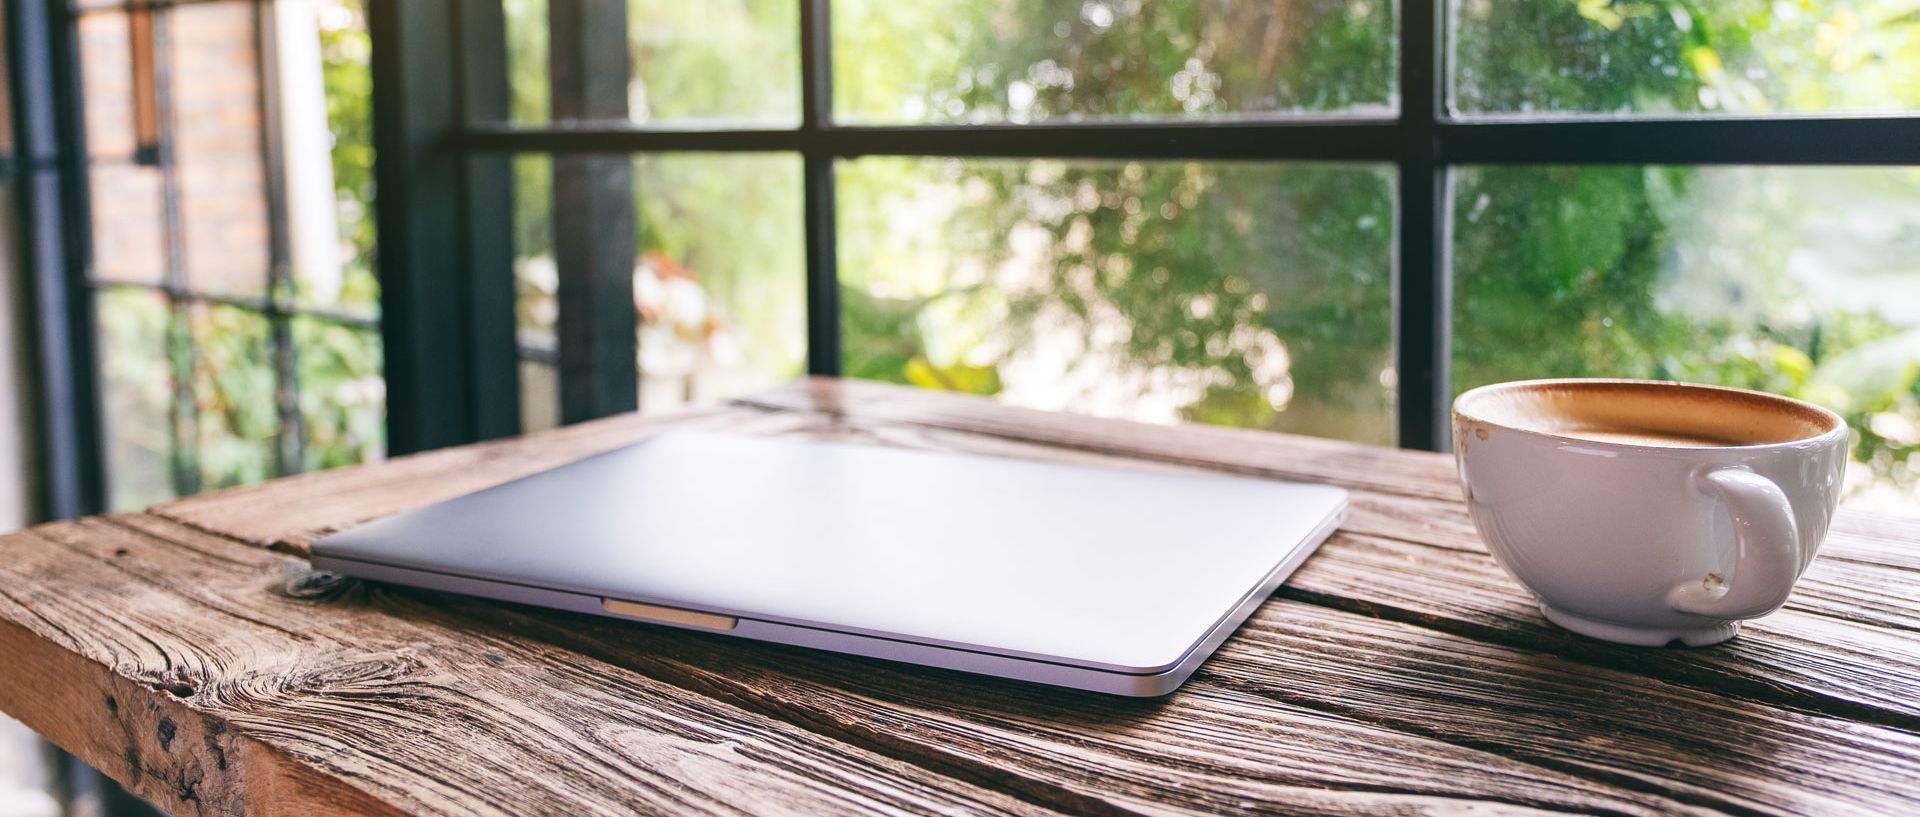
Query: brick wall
[212, 55]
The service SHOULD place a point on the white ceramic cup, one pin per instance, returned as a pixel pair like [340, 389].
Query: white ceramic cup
[1644, 512]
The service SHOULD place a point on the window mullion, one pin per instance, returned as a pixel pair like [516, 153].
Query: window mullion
[594, 241]
[1421, 311]
[822, 243]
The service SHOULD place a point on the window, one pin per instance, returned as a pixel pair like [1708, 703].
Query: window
[231, 264]
[1325, 217]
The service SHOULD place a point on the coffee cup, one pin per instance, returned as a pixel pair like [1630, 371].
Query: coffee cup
[1647, 512]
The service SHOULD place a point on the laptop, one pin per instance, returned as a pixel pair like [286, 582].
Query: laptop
[1116, 581]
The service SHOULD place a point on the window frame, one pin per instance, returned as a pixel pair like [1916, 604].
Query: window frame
[1424, 142]
[442, 168]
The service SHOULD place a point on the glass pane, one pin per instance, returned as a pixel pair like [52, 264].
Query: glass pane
[539, 396]
[234, 389]
[536, 281]
[106, 85]
[711, 61]
[214, 117]
[1730, 57]
[719, 284]
[129, 238]
[218, 171]
[129, 223]
[1038, 60]
[343, 394]
[721, 281]
[1799, 281]
[341, 276]
[1240, 294]
[136, 382]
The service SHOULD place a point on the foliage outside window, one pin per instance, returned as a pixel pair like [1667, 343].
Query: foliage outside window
[1257, 294]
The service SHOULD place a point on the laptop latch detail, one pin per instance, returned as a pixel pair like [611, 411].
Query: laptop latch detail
[668, 615]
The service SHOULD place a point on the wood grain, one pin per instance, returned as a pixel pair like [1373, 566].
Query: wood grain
[1399, 671]
[217, 679]
[1332, 728]
[1792, 658]
[1410, 558]
[1077, 752]
[1305, 694]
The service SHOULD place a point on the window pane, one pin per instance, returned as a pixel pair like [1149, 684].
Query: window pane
[1730, 57]
[214, 191]
[343, 395]
[106, 85]
[1240, 294]
[1799, 281]
[715, 60]
[539, 396]
[1037, 60]
[536, 281]
[536, 284]
[129, 238]
[233, 388]
[136, 382]
[214, 118]
[341, 276]
[721, 281]
[129, 223]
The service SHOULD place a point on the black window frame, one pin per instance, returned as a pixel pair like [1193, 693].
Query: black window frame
[445, 192]
[1424, 142]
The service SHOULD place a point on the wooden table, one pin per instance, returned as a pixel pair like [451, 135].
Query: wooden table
[189, 653]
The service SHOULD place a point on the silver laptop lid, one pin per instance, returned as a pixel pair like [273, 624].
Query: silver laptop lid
[1103, 568]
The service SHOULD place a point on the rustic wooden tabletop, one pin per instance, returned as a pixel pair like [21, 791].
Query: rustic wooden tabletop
[189, 653]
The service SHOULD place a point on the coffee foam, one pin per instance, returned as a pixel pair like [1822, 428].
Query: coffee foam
[1670, 415]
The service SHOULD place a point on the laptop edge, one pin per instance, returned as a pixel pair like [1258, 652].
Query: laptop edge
[1153, 682]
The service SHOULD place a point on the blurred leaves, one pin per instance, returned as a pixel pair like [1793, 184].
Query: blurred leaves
[1727, 275]
[1255, 295]
[1683, 56]
[957, 377]
[1868, 379]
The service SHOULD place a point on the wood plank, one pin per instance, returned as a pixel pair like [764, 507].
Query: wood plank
[1609, 723]
[1306, 692]
[1331, 729]
[1432, 591]
[1794, 658]
[213, 678]
[1874, 538]
[1863, 663]
[1388, 709]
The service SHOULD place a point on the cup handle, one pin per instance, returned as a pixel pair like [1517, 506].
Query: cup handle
[1767, 543]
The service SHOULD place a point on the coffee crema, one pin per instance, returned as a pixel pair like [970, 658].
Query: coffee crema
[1638, 436]
[1647, 413]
